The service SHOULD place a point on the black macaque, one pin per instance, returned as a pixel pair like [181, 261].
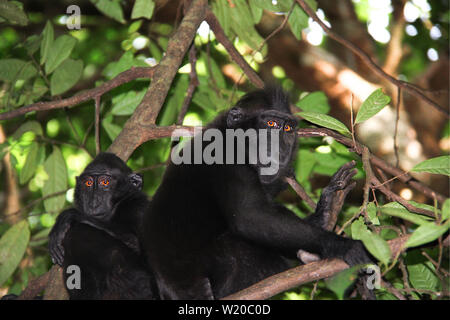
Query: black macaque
[214, 229]
[100, 235]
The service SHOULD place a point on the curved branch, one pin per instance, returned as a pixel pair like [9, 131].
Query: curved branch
[124, 77]
[144, 117]
[232, 51]
[302, 274]
[380, 163]
[372, 65]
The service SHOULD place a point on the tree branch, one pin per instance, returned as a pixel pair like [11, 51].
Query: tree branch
[358, 147]
[300, 275]
[193, 83]
[370, 63]
[301, 191]
[124, 77]
[232, 51]
[144, 117]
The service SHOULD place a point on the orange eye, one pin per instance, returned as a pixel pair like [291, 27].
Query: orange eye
[104, 182]
[89, 183]
[271, 123]
[287, 128]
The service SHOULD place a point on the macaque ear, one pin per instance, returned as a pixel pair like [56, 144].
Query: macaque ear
[136, 180]
[235, 115]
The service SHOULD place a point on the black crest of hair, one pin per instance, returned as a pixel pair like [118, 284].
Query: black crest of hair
[214, 229]
[100, 234]
[270, 98]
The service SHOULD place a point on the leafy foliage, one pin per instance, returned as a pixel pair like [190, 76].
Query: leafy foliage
[46, 151]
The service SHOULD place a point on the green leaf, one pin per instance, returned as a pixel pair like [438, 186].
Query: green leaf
[438, 165]
[40, 238]
[13, 13]
[222, 11]
[60, 51]
[325, 121]
[12, 248]
[256, 12]
[134, 27]
[446, 210]
[314, 102]
[421, 272]
[372, 105]
[372, 213]
[39, 89]
[377, 246]
[125, 62]
[143, 8]
[424, 206]
[298, 21]
[173, 104]
[425, 233]
[214, 71]
[31, 163]
[125, 103]
[15, 69]
[47, 41]
[278, 6]
[242, 24]
[401, 212]
[55, 166]
[341, 281]
[32, 44]
[32, 125]
[110, 8]
[328, 163]
[304, 165]
[66, 76]
[112, 129]
[358, 229]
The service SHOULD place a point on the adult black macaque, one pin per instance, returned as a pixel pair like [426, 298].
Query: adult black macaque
[213, 229]
[100, 235]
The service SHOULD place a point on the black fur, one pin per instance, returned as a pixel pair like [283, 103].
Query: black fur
[100, 235]
[212, 230]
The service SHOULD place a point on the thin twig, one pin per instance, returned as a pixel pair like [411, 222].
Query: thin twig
[232, 51]
[352, 120]
[314, 290]
[397, 118]
[436, 264]
[394, 197]
[86, 135]
[71, 126]
[389, 287]
[97, 124]
[73, 145]
[382, 164]
[369, 174]
[370, 63]
[300, 191]
[124, 77]
[34, 202]
[145, 115]
[272, 34]
[193, 83]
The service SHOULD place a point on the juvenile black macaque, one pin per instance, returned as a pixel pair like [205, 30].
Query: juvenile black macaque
[100, 234]
[213, 229]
